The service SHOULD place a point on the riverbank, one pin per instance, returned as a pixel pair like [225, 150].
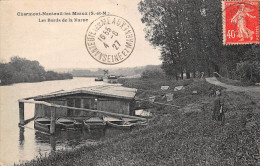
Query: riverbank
[185, 136]
[21, 70]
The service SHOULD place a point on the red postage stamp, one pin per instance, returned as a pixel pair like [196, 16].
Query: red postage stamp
[240, 22]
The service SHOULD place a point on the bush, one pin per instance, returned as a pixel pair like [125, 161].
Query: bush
[248, 71]
[23, 70]
[147, 74]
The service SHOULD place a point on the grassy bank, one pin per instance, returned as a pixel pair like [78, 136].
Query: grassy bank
[185, 136]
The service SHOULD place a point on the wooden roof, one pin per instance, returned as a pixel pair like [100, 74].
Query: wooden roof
[115, 91]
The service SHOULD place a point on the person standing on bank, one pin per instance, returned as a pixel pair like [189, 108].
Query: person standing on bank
[218, 110]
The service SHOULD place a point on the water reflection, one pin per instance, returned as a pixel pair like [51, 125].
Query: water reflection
[70, 139]
[42, 138]
[37, 143]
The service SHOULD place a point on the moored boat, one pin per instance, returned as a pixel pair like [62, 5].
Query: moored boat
[94, 123]
[99, 79]
[65, 123]
[42, 124]
[135, 122]
[124, 123]
[111, 79]
[120, 124]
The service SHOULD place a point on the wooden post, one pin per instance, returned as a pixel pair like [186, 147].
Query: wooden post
[82, 106]
[53, 120]
[81, 103]
[21, 136]
[21, 113]
[74, 105]
[53, 142]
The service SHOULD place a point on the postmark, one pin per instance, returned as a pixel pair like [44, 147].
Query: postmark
[110, 39]
[240, 21]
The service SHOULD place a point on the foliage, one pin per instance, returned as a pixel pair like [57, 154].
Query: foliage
[188, 34]
[234, 82]
[51, 75]
[249, 71]
[129, 71]
[23, 70]
[152, 74]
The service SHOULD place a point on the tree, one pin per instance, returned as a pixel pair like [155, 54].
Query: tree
[165, 29]
[23, 70]
[189, 36]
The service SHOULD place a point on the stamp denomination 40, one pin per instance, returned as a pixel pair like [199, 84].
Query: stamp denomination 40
[110, 39]
[240, 22]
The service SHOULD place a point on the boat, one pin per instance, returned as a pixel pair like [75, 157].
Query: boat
[120, 124]
[65, 123]
[94, 123]
[136, 122]
[99, 79]
[111, 79]
[42, 124]
[123, 123]
[130, 120]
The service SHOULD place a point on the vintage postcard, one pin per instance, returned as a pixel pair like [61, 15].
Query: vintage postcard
[129, 82]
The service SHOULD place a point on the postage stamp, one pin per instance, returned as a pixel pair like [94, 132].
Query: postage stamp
[110, 39]
[240, 22]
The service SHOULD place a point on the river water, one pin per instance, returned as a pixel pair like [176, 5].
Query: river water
[23, 144]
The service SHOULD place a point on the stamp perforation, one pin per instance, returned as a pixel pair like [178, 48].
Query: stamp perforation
[241, 27]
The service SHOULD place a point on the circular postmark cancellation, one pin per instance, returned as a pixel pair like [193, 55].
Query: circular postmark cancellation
[110, 39]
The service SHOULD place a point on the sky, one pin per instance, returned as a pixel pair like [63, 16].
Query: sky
[62, 45]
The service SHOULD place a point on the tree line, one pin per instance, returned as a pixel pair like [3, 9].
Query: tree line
[189, 36]
[128, 71]
[22, 70]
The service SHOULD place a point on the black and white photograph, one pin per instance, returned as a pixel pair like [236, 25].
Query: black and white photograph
[129, 83]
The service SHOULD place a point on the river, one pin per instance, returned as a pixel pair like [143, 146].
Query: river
[22, 144]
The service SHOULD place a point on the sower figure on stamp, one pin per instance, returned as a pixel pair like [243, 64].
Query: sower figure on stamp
[240, 19]
[218, 110]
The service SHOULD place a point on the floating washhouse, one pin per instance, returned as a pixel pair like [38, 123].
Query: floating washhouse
[110, 98]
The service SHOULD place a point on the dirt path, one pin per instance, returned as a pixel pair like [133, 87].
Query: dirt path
[253, 91]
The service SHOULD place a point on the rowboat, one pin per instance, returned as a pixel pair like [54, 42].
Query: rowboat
[42, 124]
[65, 123]
[120, 124]
[135, 122]
[123, 123]
[94, 123]
[130, 120]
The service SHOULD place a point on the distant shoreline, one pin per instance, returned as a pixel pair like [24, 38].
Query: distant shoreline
[20, 70]
[34, 81]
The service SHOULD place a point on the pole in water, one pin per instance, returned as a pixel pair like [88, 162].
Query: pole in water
[21, 113]
[53, 117]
